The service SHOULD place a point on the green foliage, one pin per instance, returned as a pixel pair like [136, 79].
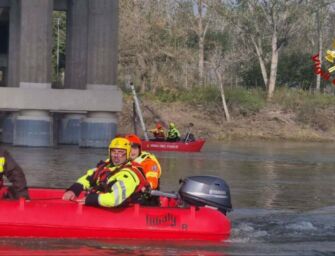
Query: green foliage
[247, 101]
[196, 95]
[298, 99]
[59, 41]
[295, 70]
[167, 94]
[192, 40]
[203, 95]
[250, 73]
[217, 39]
[315, 110]
[307, 106]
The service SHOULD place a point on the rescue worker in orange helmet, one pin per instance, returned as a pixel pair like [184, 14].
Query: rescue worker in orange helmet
[158, 132]
[148, 161]
[115, 183]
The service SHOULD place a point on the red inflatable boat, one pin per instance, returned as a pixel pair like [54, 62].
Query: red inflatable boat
[46, 215]
[191, 146]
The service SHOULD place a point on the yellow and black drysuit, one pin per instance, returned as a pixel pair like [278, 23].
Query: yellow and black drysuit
[109, 185]
[173, 134]
[14, 174]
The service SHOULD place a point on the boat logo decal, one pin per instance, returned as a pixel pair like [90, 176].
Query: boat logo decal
[165, 220]
[163, 146]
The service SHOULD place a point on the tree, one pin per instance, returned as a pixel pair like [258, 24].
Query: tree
[152, 43]
[217, 63]
[268, 26]
[201, 9]
[321, 10]
[58, 48]
[197, 20]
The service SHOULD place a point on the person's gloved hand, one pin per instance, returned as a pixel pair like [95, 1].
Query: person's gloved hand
[146, 191]
[69, 195]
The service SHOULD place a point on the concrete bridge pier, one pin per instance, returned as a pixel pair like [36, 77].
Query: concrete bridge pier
[90, 99]
[98, 129]
[8, 128]
[69, 129]
[33, 128]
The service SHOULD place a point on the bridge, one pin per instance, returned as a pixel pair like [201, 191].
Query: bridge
[84, 112]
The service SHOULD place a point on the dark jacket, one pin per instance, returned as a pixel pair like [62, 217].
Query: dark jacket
[14, 174]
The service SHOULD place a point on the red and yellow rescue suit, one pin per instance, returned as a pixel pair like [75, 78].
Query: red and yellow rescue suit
[151, 168]
[111, 186]
[158, 133]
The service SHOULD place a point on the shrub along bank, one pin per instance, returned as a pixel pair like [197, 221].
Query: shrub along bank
[292, 114]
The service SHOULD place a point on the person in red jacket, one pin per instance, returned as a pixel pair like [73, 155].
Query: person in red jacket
[10, 168]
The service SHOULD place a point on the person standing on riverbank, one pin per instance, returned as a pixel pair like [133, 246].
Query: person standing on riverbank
[14, 173]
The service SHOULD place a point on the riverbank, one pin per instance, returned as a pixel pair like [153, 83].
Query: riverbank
[271, 122]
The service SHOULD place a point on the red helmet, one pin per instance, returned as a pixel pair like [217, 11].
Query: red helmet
[134, 140]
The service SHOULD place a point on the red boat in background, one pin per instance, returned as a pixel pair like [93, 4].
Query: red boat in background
[180, 146]
[46, 215]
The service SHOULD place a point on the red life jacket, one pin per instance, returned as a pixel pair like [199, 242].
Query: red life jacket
[103, 173]
[137, 168]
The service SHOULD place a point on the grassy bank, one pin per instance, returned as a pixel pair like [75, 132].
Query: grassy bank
[291, 115]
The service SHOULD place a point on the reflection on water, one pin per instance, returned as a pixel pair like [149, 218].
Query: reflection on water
[282, 193]
[118, 247]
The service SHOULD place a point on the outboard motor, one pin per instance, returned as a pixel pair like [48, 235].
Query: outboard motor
[206, 190]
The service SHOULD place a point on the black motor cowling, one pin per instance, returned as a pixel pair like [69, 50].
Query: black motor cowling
[206, 190]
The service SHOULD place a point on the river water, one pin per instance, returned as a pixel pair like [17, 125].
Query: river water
[283, 196]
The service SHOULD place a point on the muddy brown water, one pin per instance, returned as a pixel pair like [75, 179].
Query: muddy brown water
[283, 196]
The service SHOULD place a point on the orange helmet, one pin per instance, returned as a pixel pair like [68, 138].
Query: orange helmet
[134, 140]
[158, 126]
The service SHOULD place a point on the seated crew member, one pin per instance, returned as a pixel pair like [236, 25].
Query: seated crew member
[148, 161]
[14, 174]
[173, 134]
[113, 183]
[158, 132]
[150, 165]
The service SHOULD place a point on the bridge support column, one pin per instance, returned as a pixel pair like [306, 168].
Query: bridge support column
[69, 130]
[102, 42]
[98, 129]
[33, 128]
[76, 44]
[8, 128]
[35, 41]
[14, 45]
